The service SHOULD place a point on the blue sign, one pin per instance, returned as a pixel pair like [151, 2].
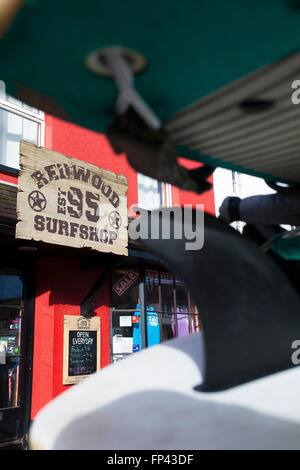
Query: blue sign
[153, 329]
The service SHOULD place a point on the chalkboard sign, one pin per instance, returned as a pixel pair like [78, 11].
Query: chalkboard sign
[82, 352]
[81, 347]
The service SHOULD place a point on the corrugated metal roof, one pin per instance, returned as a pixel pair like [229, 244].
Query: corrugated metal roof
[251, 122]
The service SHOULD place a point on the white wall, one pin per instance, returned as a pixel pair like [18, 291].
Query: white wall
[246, 186]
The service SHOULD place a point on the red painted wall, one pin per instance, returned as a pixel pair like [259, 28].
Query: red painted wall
[7, 178]
[61, 285]
[86, 145]
[180, 197]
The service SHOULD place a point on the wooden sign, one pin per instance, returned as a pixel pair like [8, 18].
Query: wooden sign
[66, 201]
[81, 348]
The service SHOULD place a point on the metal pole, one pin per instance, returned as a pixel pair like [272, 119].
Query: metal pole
[143, 313]
[128, 96]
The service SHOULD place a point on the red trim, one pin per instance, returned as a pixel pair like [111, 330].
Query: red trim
[7, 178]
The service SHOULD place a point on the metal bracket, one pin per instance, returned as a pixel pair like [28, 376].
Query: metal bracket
[128, 96]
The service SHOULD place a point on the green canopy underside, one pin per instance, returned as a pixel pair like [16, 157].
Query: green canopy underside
[192, 48]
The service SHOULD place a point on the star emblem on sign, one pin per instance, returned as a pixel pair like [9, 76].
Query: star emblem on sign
[37, 201]
[114, 219]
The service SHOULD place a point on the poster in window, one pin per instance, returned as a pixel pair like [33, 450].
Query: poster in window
[122, 345]
[125, 320]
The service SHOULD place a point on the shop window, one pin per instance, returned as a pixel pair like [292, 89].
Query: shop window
[126, 311]
[149, 307]
[11, 308]
[153, 194]
[18, 121]
[125, 288]
[149, 192]
[10, 322]
[167, 301]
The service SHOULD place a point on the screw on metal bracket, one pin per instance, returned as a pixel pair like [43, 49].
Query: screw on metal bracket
[122, 64]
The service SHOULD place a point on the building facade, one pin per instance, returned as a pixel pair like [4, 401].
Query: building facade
[138, 302]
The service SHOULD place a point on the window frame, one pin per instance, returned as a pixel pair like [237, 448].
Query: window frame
[37, 118]
[165, 192]
[143, 310]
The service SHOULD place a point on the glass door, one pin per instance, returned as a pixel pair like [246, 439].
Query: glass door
[14, 403]
[125, 313]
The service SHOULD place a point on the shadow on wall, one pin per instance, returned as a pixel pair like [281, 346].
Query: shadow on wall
[66, 282]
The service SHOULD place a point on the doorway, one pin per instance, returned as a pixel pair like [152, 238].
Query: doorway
[16, 348]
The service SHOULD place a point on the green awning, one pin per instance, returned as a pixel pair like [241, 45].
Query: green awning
[192, 49]
[251, 125]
